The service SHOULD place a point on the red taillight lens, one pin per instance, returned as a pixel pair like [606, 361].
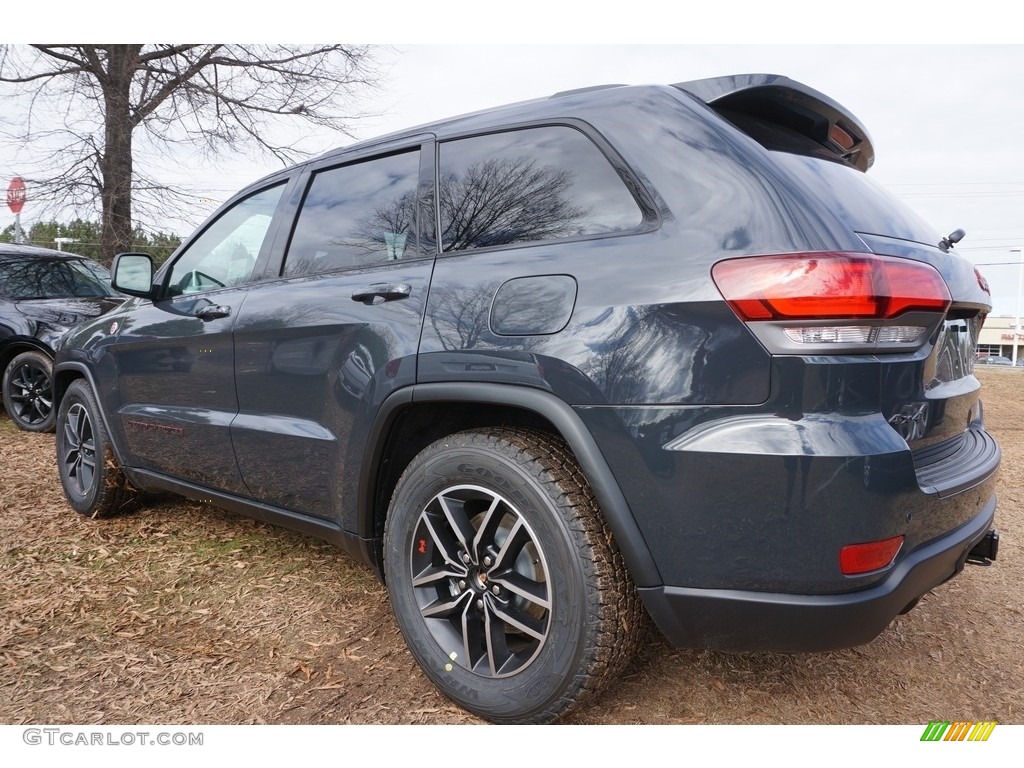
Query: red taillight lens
[823, 286]
[982, 281]
[872, 556]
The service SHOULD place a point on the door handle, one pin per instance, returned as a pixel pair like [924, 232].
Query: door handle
[212, 312]
[381, 292]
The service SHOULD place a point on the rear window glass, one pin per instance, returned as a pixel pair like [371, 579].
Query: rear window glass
[529, 185]
[50, 279]
[858, 200]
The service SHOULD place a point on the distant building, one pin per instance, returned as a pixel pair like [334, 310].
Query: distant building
[998, 337]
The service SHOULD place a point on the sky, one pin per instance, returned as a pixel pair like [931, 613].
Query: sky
[944, 119]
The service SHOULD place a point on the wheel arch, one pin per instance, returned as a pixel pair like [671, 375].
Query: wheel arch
[67, 372]
[412, 418]
[15, 346]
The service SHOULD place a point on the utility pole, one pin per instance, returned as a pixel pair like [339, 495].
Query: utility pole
[1020, 290]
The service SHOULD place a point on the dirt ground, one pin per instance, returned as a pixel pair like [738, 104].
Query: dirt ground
[185, 614]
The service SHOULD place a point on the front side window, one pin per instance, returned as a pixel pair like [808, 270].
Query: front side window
[529, 185]
[225, 254]
[356, 216]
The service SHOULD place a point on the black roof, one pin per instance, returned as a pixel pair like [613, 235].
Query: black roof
[768, 96]
[14, 249]
[773, 97]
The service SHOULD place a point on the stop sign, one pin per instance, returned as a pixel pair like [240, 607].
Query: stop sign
[16, 194]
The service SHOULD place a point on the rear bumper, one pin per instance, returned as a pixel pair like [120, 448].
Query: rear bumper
[737, 620]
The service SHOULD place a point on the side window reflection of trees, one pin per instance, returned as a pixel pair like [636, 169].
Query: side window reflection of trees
[529, 185]
[44, 278]
[357, 215]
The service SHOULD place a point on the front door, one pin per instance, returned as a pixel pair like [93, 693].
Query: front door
[175, 356]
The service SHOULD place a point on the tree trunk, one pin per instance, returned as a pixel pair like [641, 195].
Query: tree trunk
[116, 162]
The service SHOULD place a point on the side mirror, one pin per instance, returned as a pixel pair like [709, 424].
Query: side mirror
[132, 273]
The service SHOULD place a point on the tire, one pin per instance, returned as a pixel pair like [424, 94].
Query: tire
[93, 482]
[504, 578]
[28, 392]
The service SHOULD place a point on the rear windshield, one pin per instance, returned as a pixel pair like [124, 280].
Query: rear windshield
[857, 200]
[51, 279]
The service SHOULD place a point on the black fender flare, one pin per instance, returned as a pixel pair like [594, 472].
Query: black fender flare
[85, 373]
[560, 414]
[15, 345]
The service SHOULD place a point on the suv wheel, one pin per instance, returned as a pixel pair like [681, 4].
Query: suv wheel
[503, 577]
[27, 392]
[92, 479]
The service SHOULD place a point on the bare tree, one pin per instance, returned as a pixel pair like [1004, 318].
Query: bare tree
[506, 200]
[495, 202]
[89, 103]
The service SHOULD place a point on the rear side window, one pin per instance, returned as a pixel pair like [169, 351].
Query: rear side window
[529, 185]
[357, 215]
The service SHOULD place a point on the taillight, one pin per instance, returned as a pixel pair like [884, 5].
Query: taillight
[982, 281]
[829, 286]
[832, 303]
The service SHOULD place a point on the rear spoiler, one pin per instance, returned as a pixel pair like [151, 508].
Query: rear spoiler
[777, 99]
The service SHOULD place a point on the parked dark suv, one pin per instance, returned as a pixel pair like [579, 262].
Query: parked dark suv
[42, 293]
[548, 365]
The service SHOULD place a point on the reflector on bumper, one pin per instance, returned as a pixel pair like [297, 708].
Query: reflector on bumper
[871, 556]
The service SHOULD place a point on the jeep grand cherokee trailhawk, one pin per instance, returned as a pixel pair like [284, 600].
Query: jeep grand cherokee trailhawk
[552, 364]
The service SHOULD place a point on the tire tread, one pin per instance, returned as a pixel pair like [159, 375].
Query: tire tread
[620, 619]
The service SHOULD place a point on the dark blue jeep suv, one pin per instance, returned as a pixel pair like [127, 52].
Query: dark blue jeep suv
[551, 365]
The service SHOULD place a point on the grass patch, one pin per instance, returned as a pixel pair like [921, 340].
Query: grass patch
[183, 613]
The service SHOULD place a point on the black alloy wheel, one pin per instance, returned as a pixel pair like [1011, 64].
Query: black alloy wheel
[28, 392]
[480, 580]
[79, 454]
[90, 475]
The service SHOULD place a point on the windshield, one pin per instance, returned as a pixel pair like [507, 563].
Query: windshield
[52, 279]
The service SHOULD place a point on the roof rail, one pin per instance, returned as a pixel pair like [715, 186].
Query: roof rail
[574, 91]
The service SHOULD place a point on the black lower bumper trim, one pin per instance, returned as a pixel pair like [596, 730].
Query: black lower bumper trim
[958, 464]
[735, 620]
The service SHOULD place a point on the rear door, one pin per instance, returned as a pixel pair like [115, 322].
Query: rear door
[321, 345]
